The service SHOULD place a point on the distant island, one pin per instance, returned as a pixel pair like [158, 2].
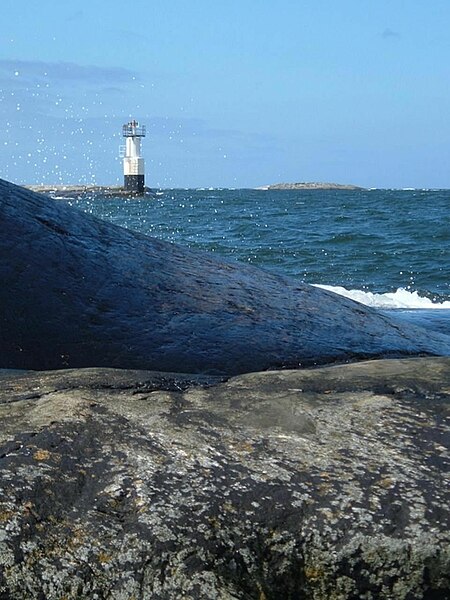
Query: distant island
[306, 185]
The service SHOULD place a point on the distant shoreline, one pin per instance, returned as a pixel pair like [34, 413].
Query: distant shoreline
[308, 185]
[111, 191]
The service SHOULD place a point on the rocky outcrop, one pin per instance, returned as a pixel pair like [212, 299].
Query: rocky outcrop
[329, 483]
[69, 191]
[80, 292]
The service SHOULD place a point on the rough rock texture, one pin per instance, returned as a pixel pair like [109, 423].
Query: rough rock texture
[323, 484]
[79, 292]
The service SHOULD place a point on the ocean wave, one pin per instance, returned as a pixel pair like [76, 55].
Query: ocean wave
[401, 298]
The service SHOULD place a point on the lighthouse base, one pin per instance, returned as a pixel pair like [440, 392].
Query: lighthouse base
[134, 183]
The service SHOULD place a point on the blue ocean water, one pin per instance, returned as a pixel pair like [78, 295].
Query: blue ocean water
[385, 248]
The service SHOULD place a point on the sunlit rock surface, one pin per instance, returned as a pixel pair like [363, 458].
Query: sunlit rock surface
[77, 291]
[323, 484]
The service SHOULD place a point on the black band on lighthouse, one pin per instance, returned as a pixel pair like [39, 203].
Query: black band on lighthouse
[134, 183]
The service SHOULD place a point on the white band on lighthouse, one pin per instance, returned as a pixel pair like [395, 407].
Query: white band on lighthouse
[133, 166]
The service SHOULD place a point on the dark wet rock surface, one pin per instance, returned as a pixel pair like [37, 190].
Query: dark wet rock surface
[329, 483]
[80, 292]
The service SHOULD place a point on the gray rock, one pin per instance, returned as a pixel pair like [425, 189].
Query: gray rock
[80, 292]
[322, 484]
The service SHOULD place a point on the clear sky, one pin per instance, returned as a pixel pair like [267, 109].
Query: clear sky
[234, 93]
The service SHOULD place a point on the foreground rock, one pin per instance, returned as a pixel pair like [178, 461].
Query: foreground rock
[80, 292]
[323, 484]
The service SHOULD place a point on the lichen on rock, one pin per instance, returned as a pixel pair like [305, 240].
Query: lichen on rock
[328, 483]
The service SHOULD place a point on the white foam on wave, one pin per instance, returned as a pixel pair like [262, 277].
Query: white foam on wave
[401, 298]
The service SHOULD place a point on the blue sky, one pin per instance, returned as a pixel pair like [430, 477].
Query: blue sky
[235, 93]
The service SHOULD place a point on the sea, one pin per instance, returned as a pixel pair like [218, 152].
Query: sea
[388, 249]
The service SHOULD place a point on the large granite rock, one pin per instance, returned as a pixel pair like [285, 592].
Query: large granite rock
[76, 292]
[323, 484]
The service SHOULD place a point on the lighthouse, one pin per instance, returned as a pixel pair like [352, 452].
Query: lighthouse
[133, 163]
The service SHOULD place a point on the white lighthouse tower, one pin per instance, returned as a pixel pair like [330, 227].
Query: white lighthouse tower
[133, 163]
